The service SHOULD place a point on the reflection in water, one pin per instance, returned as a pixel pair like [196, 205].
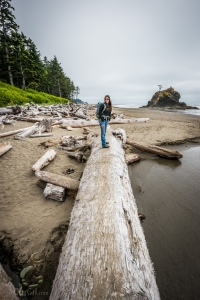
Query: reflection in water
[169, 163]
[167, 192]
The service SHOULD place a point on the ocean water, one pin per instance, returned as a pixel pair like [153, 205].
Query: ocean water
[168, 193]
[186, 111]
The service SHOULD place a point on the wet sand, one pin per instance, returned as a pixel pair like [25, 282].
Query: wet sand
[30, 222]
[167, 192]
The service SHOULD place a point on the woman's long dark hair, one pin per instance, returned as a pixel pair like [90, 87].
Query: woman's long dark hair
[110, 103]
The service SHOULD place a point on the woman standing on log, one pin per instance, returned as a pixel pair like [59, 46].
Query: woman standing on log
[105, 114]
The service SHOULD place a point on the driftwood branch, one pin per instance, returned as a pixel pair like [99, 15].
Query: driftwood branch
[159, 151]
[130, 158]
[5, 147]
[105, 254]
[44, 160]
[66, 182]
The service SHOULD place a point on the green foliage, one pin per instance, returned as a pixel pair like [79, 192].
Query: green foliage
[10, 95]
[21, 64]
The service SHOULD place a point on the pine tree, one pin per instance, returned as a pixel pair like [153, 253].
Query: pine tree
[7, 27]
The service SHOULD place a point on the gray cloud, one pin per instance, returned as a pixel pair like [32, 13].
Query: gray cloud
[123, 48]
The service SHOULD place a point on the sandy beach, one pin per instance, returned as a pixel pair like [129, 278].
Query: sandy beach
[30, 222]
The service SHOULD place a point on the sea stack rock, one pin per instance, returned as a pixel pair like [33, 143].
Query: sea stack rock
[168, 98]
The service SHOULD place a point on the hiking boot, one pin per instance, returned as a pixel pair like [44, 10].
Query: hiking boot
[106, 146]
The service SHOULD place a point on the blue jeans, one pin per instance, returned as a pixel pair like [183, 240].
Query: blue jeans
[103, 125]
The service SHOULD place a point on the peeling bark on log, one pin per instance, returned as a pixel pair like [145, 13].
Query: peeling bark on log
[7, 289]
[44, 160]
[54, 192]
[159, 151]
[5, 147]
[105, 254]
[60, 180]
[130, 158]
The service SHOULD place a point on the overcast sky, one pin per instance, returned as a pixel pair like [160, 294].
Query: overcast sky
[123, 48]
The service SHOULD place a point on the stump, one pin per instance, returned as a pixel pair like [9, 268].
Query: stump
[54, 192]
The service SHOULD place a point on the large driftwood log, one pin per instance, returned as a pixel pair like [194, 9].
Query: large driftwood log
[161, 152]
[84, 123]
[54, 192]
[66, 182]
[5, 147]
[105, 254]
[44, 160]
[7, 289]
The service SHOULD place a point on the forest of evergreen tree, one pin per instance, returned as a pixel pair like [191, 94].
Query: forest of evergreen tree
[21, 64]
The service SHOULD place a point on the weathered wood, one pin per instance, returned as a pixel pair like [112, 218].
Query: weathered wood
[105, 254]
[44, 160]
[14, 131]
[42, 184]
[54, 192]
[120, 134]
[5, 147]
[51, 143]
[7, 289]
[159, 151]
[79, 156]
[60, 180]
[40, 135]
[130, 158]
[26, 133]
[28, 119]
[84, 123]
[38, 128]
[12, 110]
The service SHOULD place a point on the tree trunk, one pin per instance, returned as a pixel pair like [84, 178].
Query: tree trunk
[5, 147]
[162, 152]
[44, 160]
[66, 182]
[9, 67]
[105, 254]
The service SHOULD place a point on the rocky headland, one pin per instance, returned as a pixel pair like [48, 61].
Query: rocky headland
[168, 98]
